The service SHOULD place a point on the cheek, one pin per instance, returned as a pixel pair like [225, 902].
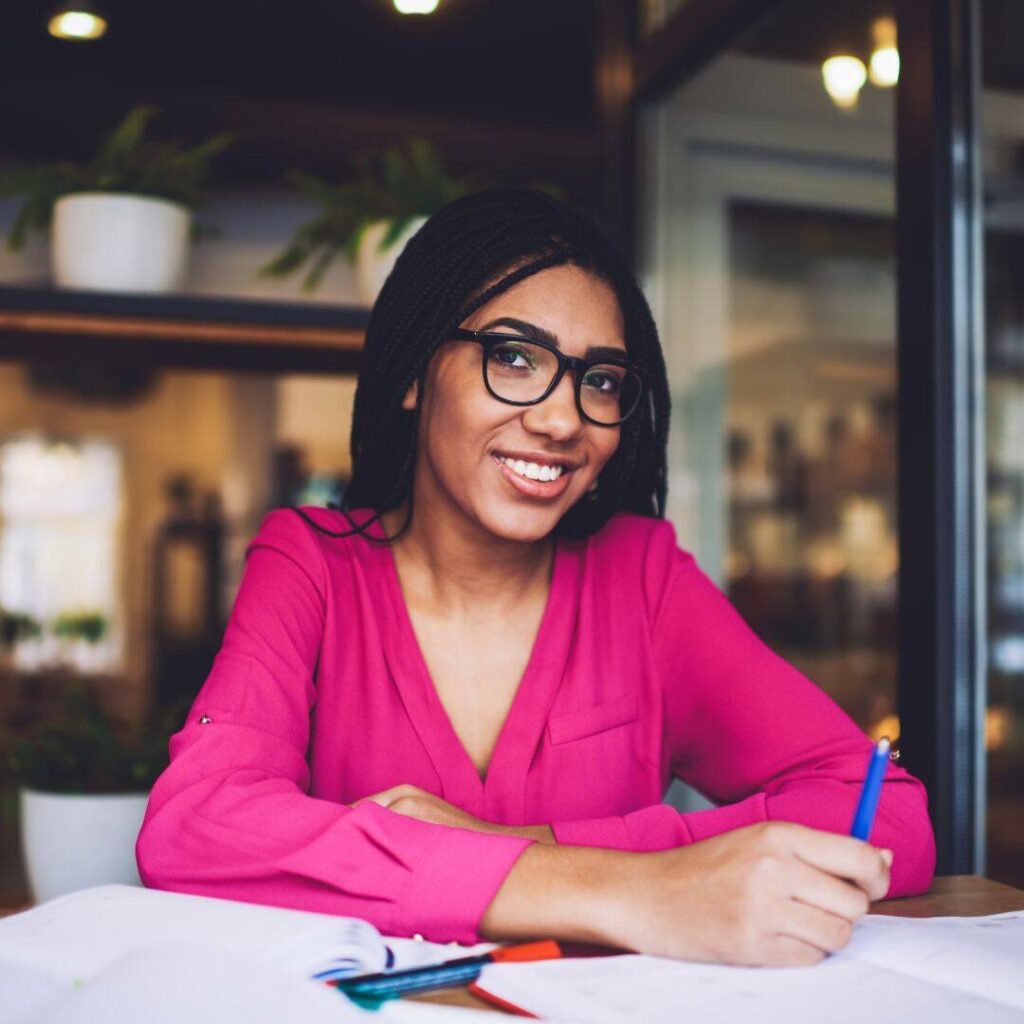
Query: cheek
[605, 445]
[458, 417]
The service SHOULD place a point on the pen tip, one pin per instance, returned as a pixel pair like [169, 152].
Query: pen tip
[883, 743]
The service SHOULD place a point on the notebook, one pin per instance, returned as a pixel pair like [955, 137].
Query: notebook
[935, 969]
[88, 939]
[77, 935]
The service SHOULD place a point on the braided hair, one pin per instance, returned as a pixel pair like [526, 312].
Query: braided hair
[471, 250]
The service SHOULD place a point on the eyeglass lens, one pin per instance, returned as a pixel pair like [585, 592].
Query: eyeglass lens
[520, 371]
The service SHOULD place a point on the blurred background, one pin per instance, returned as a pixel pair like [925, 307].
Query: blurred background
[174, 366]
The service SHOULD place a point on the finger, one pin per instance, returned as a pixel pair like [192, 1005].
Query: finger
[826, 932]
[826, 892]
[844, 857]
[785, 951]
[386, 797]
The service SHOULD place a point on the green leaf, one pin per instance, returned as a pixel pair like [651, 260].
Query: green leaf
[398, 184]
[394, 231]
[288, 261]
[123, 143]
[320, 265]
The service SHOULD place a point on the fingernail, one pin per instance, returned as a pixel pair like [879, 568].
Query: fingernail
[887, 857]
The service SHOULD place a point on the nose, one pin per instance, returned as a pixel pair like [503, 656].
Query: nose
[557, 416]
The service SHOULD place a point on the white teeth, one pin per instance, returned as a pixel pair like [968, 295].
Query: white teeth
[532, 470]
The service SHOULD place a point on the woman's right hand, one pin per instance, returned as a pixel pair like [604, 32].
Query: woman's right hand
[768, 894]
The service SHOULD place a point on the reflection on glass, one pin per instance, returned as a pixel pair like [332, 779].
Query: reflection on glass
[810, 428]
[1003, 128]
[1004, 723]
[770, 262]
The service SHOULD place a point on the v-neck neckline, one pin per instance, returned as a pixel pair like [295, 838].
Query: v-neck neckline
[503, 782]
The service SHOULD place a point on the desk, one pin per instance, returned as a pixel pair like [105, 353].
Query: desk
[951, 896]
[954, 896]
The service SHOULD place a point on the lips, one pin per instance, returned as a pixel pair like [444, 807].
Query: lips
[544, 489]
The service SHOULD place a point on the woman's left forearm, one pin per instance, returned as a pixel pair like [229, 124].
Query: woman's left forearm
[538, 833]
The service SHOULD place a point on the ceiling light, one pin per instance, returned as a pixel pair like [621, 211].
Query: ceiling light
[884, 67]
[77, 21]
[844, 76]
[415, 6]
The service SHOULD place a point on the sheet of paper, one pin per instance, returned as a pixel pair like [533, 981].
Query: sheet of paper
[24, 993]
[171, 984]
[983, 955]
[868, 979]
[82, 933]
[417, 953]
[1002, 932]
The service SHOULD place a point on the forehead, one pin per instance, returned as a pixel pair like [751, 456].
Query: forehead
[574, 305]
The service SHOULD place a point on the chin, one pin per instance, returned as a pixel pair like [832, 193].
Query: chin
[524, 525]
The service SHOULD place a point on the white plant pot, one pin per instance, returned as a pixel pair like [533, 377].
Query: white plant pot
[72, 841]
[373, 266]
[106, 241]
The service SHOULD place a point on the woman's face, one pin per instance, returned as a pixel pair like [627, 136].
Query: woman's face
[467, 438]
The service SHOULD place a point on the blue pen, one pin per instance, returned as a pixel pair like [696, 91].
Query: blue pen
[864, 817]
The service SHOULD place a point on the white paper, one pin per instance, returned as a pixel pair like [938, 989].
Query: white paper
[76, 936]
[939, 970]
[23, 992]
[174, 984]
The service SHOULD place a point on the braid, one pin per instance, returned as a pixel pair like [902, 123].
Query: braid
[468, 252]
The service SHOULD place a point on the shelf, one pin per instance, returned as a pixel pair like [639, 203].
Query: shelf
[180, 331]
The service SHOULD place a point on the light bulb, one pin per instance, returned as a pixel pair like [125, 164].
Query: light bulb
[884, 66]
[78, 23]
[844, 76]
[415, 6]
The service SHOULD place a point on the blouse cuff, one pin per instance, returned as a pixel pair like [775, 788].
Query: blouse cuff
[433, 879]
[606, 833]
[727, 818]
[456, 879]
[660, 827]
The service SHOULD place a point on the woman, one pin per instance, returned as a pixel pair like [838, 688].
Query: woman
[466, 730]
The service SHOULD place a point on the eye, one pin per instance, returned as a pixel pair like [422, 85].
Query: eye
[603, 380]
[511, 355]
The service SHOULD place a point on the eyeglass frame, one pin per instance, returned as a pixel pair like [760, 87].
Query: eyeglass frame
[579, 367]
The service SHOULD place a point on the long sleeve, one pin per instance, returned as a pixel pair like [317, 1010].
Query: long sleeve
[752, 733]
[231, 815]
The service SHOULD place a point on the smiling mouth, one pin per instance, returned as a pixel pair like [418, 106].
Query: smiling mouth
[528, 478]
[541, 472]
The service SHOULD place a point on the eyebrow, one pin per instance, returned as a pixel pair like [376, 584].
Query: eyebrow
[528, 330]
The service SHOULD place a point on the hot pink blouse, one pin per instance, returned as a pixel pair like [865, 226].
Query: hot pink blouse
[641, 671]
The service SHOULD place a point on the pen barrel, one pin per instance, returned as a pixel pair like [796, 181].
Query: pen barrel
[864, 816]
[456, 972]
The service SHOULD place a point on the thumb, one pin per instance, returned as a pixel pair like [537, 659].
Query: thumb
[385, 798]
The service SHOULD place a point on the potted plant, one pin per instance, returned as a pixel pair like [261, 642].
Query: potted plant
[84, 781]
[20, 633]
[370, 218]
[121, 222]
[81, 634]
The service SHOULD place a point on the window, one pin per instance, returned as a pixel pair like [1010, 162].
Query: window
[60, 506]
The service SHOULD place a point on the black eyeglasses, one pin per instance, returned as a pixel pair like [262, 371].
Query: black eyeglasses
[523, 371]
